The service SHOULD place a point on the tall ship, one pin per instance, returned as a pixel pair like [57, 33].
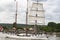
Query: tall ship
[34, 16]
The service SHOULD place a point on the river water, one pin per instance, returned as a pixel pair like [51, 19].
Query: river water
[49, 38]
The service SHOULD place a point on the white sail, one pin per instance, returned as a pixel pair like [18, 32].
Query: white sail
[36, 8]
[39, 13]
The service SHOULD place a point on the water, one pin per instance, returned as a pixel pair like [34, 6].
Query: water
[51, 37]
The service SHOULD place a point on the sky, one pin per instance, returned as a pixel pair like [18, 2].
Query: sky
[7, 11]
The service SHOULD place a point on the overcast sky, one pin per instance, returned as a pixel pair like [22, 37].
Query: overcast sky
[7, 11]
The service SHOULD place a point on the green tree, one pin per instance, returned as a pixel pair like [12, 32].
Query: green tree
[52, 25]
[58, 27]
[47, 29]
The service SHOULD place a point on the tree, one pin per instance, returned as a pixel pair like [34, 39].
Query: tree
[52, 25]
[47, 29]
[58, 27]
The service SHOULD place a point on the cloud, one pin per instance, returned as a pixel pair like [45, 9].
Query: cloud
[7, 11]
[1, 9]
[52, 11]
[8, 8]
[57, 9]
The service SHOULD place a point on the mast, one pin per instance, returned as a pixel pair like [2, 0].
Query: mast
[36, 28]
[36, 19]
[16, 4]
[27, 18]
[27, 13]
[16, 11]
[36, 15]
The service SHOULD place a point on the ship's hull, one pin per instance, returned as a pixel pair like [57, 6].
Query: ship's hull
[33, 37]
